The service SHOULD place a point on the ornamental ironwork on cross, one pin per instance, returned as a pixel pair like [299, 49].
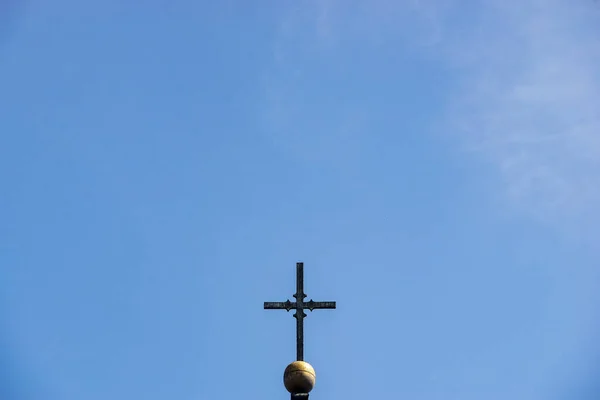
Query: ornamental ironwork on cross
[299, 305]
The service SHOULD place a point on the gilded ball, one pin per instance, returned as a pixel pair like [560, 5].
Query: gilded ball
[299, 377]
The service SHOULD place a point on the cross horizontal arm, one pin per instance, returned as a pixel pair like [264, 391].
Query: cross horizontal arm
[290, 305]
[313, 305]
[280, 305]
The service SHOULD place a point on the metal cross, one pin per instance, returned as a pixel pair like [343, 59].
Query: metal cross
[299, 305]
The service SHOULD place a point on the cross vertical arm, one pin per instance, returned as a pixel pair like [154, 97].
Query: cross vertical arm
[299, 314]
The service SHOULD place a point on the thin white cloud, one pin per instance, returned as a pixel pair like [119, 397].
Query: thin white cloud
[528, 98]
[326, 126]
[314, 127]
[531, 102]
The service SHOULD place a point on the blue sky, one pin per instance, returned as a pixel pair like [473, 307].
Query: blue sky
[435, 164]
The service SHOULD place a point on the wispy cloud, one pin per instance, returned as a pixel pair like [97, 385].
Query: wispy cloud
[316, 41]
[530, 101]
[313, 126]
[528, 94]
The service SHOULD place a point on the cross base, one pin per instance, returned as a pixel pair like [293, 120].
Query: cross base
[299, 396]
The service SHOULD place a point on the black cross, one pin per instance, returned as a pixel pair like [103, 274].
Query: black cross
[299, 305]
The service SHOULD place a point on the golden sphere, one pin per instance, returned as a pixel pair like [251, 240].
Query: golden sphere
[299, 377]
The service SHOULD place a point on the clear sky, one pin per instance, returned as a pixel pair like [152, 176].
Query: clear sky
[435, 164]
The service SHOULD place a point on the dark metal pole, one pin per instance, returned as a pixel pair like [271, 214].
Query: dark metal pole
[299, 336]
[299, 396]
